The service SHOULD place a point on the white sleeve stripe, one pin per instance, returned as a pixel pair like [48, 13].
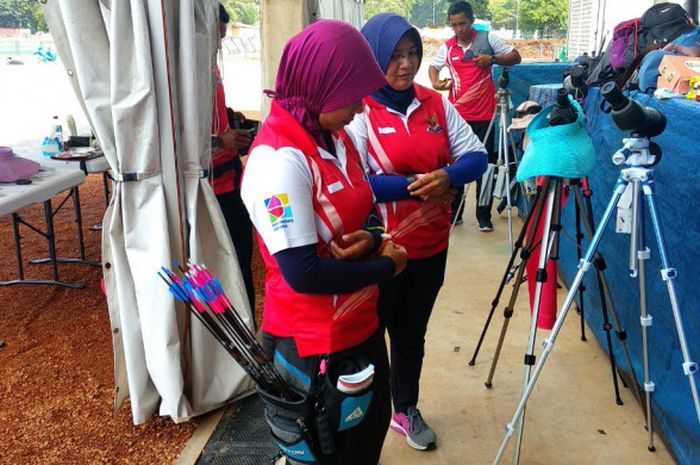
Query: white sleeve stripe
[379, 154]
[328, 208]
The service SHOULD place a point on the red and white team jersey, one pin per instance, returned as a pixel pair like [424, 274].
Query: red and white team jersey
[222, 158]
[298, 194]
[430, 136]
[473, 90]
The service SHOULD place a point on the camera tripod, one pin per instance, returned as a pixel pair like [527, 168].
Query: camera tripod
[639, 177]
[501, 116]
[550, 200]
[526, 244]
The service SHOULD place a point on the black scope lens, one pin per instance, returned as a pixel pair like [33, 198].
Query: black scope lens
[613, 95]
[563, 97]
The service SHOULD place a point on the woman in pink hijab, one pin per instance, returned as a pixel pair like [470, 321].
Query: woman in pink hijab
[308, 198]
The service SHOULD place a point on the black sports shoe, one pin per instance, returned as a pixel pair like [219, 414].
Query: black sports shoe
[485, 226]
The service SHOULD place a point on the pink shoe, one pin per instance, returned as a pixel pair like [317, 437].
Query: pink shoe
[418, 434]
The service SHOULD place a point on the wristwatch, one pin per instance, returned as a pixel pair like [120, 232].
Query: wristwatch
[493, 59]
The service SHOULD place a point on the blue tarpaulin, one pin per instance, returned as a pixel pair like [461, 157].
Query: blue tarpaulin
[526, 75]
[677, 194]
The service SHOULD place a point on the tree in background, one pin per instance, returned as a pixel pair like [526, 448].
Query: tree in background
[246, 12]
[503, 13]
[18, 14]
[400, 7]
[431, 12]
[423, 10]
[481, 9]
[546, 16]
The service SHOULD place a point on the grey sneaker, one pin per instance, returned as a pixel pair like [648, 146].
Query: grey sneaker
[418, 434]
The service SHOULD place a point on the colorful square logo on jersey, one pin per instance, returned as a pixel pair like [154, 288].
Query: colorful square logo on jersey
[434, 125]
[279, 211]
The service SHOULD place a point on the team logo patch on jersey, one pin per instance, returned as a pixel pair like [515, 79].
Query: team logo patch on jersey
[279, 211]
[433, 125]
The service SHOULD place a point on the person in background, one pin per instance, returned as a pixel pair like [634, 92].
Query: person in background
[309, 200]
[417, 150]
[469, 56]
[226, 173]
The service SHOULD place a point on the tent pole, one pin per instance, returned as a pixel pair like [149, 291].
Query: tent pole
[280, 21]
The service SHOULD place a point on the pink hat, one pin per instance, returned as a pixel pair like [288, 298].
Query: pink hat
[14, 168]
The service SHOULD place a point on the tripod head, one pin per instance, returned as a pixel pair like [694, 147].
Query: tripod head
[632, 116]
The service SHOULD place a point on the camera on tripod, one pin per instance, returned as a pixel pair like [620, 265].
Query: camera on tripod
[632, 116]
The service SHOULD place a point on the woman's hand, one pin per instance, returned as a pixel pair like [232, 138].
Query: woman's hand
[354, 246]
[434, 184]
[397, 254]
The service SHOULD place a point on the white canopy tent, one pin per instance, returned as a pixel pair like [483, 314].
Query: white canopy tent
[143, 72]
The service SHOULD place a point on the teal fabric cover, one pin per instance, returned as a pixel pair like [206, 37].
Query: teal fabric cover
[564, 151]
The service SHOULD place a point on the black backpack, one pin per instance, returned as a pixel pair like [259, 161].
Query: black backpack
[662, 23]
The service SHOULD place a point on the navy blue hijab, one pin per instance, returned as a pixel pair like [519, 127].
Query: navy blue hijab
[384, 32]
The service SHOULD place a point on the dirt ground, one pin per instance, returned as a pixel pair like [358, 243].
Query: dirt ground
[530, 49]
[56, 374]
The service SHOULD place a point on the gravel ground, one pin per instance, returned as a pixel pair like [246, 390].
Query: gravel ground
[56, 375]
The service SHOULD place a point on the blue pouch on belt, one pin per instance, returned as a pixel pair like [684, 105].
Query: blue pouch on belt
[564, 151]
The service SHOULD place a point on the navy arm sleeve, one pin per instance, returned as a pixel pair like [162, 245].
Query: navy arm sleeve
[307, 273]
[389, 188]
[375, 226]
[467, 168]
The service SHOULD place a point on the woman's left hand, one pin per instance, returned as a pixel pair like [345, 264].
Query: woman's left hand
[354, 246]
[433, 184]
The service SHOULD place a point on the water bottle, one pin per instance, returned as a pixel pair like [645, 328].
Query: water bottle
[563, 112]
[53, 143]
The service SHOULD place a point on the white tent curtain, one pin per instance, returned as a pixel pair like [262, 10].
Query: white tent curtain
[143, 71]
[351, 11]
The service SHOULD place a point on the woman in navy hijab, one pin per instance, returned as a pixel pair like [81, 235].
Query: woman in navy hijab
[416, 149]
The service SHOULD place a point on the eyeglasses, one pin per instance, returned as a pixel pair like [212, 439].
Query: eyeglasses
[468, 55]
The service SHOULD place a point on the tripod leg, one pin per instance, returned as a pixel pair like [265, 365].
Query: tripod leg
[503, 151]
[525, 256]
[599, 266]
[547, 247]
[582, 288]
[548, 345]
[668, 274]
[639, 254]
[508, 274]
[462, 204]
[491, 124]
[607, 302]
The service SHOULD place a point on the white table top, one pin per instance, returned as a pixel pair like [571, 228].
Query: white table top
[93, 165]
[45, 185]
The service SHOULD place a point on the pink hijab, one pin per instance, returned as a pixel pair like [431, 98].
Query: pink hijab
[327, 66]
